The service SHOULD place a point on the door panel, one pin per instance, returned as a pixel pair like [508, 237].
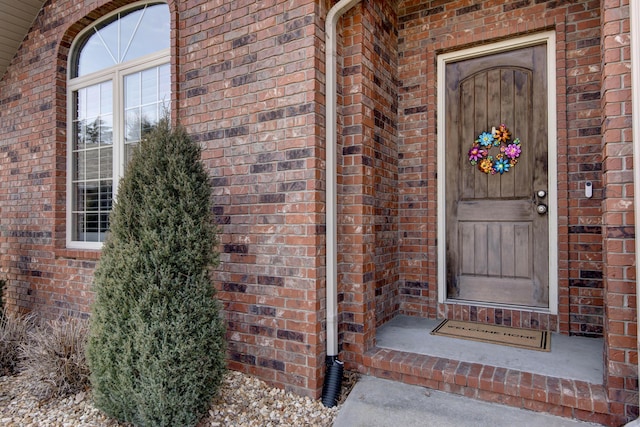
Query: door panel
[497, 243]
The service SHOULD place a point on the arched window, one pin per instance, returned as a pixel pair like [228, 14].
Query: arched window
[119, 86]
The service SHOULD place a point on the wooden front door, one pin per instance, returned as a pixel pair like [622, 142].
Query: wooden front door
[497, 242]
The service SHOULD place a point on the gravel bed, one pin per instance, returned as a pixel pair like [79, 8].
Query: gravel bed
[243, 401]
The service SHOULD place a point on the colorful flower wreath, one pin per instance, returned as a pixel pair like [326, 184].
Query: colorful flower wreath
[502, 162]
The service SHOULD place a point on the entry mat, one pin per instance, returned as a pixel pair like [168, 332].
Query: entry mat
[504, 335]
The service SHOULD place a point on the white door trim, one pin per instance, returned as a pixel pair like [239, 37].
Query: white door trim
[548, 38]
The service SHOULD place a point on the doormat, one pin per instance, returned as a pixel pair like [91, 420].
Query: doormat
[503, 335]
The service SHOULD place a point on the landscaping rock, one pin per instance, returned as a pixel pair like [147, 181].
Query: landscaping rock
[243, 401]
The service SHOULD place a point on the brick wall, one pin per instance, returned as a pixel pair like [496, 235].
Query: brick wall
[621, 352]
[356, 183]
[247, 86]
[383, 85]
[583, 163]
[369, 73]
[368, 174]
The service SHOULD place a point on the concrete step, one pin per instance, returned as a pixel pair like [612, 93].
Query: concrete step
[567, 381]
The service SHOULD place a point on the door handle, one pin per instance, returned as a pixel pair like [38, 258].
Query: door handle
[541, 208]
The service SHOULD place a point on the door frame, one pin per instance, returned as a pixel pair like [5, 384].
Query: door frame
[548, 38]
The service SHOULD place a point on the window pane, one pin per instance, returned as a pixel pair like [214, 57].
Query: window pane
[147, 98]
[92, 161]
[106, 98]
[91, 193]
[132, 125]
[78, 134]
[93, 164]
[106, 195]
[132, 90]
[164, 84]
[93, 57]
[108, 35]
[106, 162]
[92, 133]
[78, 229]
[80, 99]
[126, 36]
[152, 33]
[92, 226]
[79, 197]
[149, 86]
[106, 130]
[91, 221]
[92, 102]
[149, 118]
[79, 165]
[128, 152]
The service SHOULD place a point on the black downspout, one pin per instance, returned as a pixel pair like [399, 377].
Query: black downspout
[332, 382]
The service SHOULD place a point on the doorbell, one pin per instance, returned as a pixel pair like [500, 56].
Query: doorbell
[588, 189]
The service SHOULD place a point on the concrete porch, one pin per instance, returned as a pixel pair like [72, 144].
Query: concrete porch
[568, 381]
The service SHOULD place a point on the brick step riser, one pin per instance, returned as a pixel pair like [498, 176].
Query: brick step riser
[556, 396]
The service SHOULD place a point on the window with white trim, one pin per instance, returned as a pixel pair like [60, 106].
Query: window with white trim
[119, 86]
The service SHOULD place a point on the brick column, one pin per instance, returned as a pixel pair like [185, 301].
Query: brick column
[355, 193]
[618, 225]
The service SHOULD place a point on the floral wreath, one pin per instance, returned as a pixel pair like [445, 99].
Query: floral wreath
[502, 162]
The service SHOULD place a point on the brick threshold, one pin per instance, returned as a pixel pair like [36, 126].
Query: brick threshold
[557, 396]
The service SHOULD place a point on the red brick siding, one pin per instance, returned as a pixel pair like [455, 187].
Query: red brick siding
[583, 163]
[247, 85]
[621, 352]
[356, 232]
[368, 173]
[416, 164]
[249, 88]
[383, 84]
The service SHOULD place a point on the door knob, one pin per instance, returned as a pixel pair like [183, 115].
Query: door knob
[541, 209]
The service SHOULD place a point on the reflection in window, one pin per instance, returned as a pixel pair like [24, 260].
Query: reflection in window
[120, 90]
[146, 101]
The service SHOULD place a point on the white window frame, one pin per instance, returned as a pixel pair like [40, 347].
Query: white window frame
[116, 74]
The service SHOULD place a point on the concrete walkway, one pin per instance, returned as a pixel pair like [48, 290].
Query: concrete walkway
[376, 402]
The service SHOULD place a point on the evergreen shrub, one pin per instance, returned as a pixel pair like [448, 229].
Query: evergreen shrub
[156, 346]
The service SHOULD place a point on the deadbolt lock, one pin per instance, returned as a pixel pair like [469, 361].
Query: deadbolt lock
[541, 193]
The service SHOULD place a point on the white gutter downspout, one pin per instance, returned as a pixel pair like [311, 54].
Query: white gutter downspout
[634, 12]
[333, 375]
[332, 187]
